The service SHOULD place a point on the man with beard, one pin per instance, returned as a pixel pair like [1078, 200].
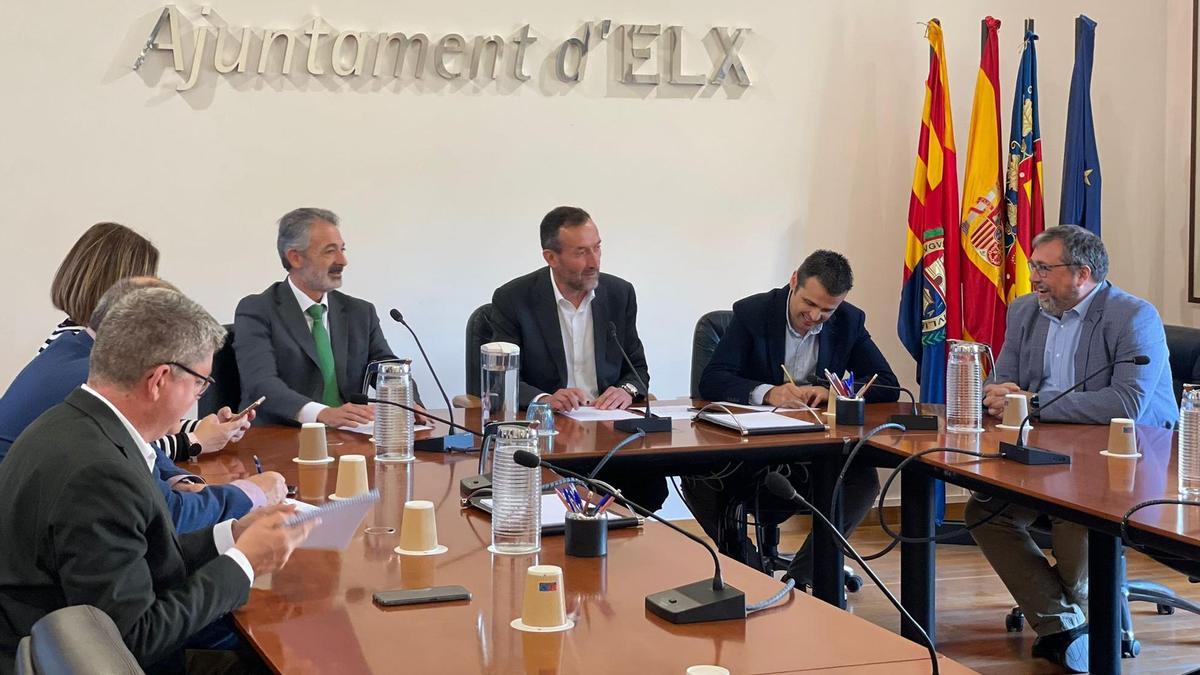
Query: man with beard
[301, 343]
[1075, 323]
[559, 316]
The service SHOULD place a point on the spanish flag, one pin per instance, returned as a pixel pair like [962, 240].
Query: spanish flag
[982, 235]
[930, 300]
[1026, 212]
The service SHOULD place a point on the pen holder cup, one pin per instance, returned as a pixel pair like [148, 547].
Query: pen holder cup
[586, 537]
[851, 411]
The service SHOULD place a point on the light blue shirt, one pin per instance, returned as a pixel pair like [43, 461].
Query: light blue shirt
[1062, 339]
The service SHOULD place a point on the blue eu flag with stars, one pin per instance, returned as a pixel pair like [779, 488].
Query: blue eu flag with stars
[1081, 163]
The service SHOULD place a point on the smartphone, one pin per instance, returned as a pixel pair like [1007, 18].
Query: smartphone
[250, 407]
[419, 596]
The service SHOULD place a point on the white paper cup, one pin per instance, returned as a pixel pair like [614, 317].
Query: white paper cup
[418, 530]
[351, 477]
[544, 608]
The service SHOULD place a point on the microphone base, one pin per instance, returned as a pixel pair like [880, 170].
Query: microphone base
[916, 422]
[472, 484]
[651, 425]
[447, 443]
[697, 603]
[1024, 454]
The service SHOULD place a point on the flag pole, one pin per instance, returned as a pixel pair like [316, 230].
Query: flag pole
[1028, 25]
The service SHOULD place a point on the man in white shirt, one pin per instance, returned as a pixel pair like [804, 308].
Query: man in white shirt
[571, 322]
[86, 522]
[301, 343]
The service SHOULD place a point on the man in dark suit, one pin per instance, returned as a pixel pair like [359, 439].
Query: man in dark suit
[85, 521]
[560, 317]
[63, 366]
[301, 343]
[806, 327]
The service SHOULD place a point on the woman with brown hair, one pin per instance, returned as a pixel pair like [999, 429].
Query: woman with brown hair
[105, 253]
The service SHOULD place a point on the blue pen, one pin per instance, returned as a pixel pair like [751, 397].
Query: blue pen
[257, 464]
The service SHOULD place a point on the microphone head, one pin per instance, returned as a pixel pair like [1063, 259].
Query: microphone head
[779, 486]
[1140, 360]
[527, 459]
[396, 315]
[358, 399]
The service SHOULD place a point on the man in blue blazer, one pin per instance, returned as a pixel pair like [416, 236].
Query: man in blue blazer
[1074, 324]
[59, 369]
[807, 327]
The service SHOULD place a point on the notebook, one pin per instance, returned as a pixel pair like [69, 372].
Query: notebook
[339, 522]
[754, 423]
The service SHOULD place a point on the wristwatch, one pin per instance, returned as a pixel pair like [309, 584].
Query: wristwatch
[631, 389]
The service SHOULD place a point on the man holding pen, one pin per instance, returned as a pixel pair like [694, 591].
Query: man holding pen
[777, 351]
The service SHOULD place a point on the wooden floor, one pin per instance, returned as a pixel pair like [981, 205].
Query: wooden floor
[972, 604]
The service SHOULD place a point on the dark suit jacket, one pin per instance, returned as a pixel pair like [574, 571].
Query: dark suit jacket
[524, 313]
[47, 381]
[84, 524]
[755, 343]
[277, 358]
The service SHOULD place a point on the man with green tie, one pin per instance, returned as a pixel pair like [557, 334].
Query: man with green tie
[301, 343]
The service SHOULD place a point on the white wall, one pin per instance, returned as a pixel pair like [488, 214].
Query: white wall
[701, 199]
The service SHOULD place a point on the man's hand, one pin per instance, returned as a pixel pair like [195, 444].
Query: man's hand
[796, 396]
[226, 415]
[566, 399]
[613, 398]
[346, 415]
[419, 418]
[215, 431]
[272, 484]
[993, 396]
[262, 537]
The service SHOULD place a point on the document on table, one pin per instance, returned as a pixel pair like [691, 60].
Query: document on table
[760, 422]
[675, 412]
[339, 521]
[590, 414]
[369, 428]
[760, 408]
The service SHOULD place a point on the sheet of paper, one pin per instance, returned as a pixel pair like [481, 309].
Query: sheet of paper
[760, 408]
[675, 412]
[590, 414]
[369, 428]
[554, 512]
[301, 507]
[339, 522]
[760, 420]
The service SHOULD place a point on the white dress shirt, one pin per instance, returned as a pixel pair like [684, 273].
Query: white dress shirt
[309, 411]
[222, 532]
[579, 342]
[800, 355]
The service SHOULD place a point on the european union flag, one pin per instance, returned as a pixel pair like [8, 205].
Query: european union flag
[1081, 162]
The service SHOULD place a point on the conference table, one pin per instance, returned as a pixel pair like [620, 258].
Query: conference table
[317, 614]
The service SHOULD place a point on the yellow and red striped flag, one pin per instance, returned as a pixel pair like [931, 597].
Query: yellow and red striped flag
[983, 252]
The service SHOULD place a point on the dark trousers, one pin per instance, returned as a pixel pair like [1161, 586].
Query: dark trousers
[721, 506]
[646, 489]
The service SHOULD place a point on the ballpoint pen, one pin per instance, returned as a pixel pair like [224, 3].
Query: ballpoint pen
[257, 464]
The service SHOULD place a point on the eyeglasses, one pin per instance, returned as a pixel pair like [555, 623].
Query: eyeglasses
[1042, 269]
[205, 381]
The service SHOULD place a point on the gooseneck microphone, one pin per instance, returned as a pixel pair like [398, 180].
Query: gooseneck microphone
[707, 600]
[449, 442]
[914, 421]
[363, 399]
[782, 488]
[649, 423]
[1019, 452]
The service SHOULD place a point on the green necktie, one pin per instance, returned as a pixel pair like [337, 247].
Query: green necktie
[330, 396]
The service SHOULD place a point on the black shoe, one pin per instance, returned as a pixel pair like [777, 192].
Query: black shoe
[802, 586]
[1068, 649]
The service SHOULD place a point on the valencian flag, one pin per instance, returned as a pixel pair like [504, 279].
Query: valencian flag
[929, 301]
[1026, 215]
[982, 233]
[1081, 162]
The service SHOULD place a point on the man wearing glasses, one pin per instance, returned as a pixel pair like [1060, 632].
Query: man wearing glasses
[1074, 323]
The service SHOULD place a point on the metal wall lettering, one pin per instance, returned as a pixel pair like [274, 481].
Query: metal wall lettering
[449, 44]
[497, 43]
[630, 54]
[402, 45]
[675, 34]
[732, 61]
[360, 53]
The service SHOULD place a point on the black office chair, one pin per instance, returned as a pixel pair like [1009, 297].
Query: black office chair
[228, 389]
[768, 513]
[75, 640]
[1183, 343]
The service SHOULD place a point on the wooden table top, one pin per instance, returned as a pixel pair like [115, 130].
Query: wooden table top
[316, 615]
[1092, 483]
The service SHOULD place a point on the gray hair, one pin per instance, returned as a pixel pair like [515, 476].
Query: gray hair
[150, 327]
[294, 229]
[1081, 248]
[118, 290]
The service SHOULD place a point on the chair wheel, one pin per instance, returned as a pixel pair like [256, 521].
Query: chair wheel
[1165, 610]
[1014, 621]
[1130, 649]
[854, 583]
